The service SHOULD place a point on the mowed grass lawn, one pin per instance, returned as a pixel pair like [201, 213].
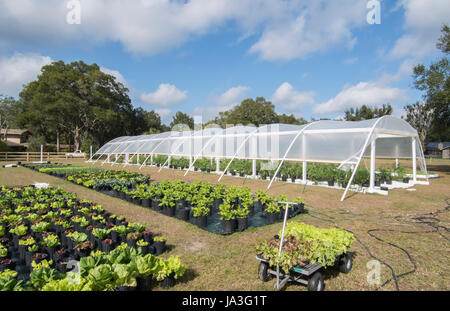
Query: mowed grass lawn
[228, 262]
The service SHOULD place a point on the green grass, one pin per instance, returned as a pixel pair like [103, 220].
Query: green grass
[228, 263]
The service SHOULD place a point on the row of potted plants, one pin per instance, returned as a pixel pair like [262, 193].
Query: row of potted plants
[123, 269]
[199, 200]
[194, 201]
[51, 224]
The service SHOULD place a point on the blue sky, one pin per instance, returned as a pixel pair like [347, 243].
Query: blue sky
[311, 58]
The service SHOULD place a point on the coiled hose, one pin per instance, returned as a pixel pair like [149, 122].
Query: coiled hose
[429, 219]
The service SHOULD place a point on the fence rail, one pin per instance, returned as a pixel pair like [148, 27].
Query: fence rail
[32, 156]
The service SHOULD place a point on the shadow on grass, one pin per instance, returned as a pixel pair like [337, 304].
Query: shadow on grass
[189, 275]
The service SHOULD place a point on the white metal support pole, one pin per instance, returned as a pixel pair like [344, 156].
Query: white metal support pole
[151, 159]
[115, 157]
[287, 151]
[396, 162]
[151, 154]
[414, 160]
[168, 160]
[354, 168]
[107, 157]
[127, 155]
[254, 168]
[190, 161]
[286, 211]
[304, 171]
[372, 164]
[137, 159]
[217, 164]
[90, 152]
[42, 149]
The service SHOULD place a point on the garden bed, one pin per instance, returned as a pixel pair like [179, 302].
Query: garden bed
[215, 208]
[47, 228]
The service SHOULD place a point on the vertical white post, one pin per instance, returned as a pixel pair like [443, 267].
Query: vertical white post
[304, 172]
[372, 164]
[414, 159]
[190, 162]
[217, 164]
[254, 168]
[168, 160]
[42, 150]
[151, 159]
[396, 163]
[90, 152]
[115, 157]
[126, 157]
[137, 159]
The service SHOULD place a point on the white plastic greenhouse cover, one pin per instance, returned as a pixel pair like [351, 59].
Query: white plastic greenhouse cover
[341, 142]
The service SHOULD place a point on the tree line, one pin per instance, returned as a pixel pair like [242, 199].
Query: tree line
[78, 104]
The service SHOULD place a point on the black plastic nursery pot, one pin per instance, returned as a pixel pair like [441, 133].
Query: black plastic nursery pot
[242, 224]
[229, 226]
[180, 203]
[331, 183]
[168, 282]
[201, 221]
[155, 204]
[145, 203]
[144, 283]
[159, 247]
[283, 178]
[169, 211]
[272, 217]
[406, 180]
[183, 213]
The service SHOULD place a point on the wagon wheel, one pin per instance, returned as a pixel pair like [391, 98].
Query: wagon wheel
[345, 263]
[263, 274]
[315, 283]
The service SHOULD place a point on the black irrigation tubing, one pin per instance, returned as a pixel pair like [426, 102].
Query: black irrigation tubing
[415, 219]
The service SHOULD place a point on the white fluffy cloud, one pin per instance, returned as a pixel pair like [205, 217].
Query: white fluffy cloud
[315, 27]
[115, 74]
[225, 101]
[423, 20]
[19, 69]
[290, 99]
[287, 29]
[363, 93]
[165, 96]
[164, 113]
[231, 97]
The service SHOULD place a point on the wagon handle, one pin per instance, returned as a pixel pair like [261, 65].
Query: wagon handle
[286, 211]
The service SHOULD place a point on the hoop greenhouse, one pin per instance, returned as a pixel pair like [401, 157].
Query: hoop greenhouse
[344, 143]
